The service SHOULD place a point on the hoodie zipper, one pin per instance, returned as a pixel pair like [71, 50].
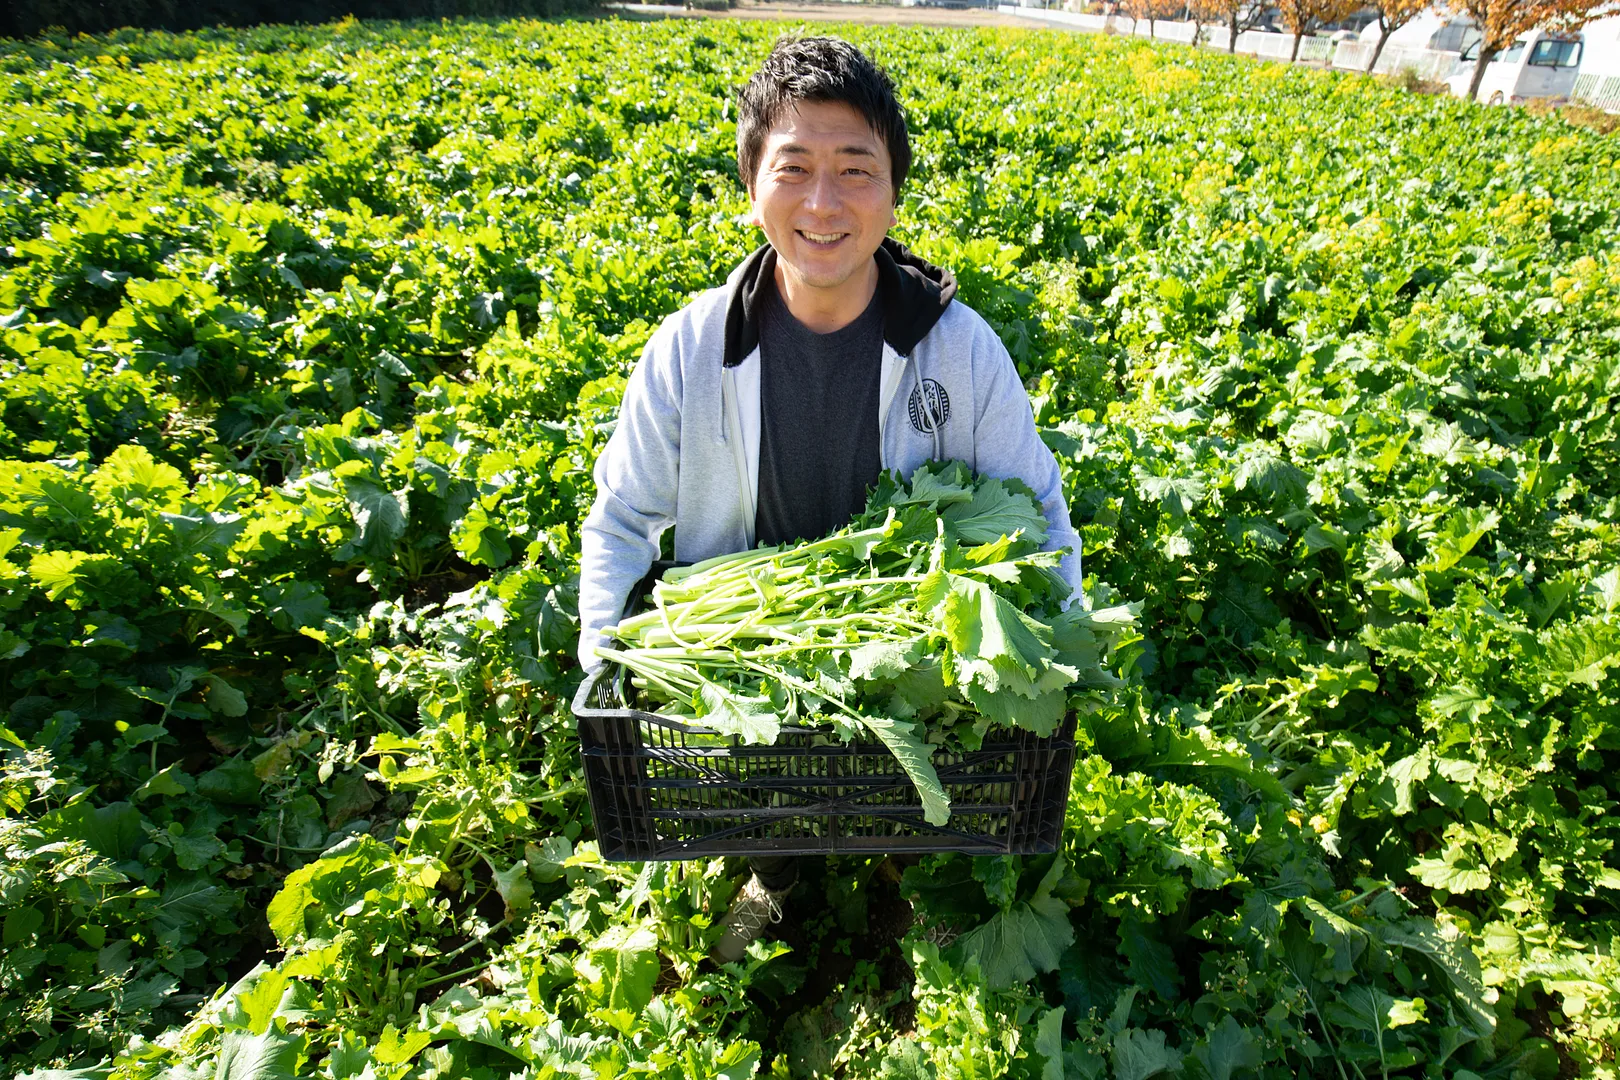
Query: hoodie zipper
[739, 455]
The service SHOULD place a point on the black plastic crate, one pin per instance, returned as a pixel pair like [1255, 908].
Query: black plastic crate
[664, 789]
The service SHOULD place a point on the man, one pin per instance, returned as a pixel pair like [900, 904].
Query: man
[762, 412]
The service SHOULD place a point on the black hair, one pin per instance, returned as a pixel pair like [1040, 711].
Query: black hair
[819, 69]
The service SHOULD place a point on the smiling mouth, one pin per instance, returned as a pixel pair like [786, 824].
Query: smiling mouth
[821, 239]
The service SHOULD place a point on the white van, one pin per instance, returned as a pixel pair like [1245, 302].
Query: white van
[1542, 64]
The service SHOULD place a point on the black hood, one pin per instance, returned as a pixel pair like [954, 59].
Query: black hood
[914, 294]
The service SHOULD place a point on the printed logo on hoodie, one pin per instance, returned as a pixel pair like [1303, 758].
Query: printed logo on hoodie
[930, 407]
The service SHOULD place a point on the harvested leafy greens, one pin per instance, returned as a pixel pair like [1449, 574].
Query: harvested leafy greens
[929, 619]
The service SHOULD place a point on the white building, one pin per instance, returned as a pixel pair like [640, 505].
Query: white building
[1602, 47]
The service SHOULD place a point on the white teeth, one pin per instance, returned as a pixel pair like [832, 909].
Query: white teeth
[822, 238]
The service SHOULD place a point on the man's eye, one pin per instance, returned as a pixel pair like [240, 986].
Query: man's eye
[854, 171]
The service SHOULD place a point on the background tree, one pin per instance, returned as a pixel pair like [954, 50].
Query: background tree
[1392, 15]
[1500, 22]
[1240, 15]
[1300, 15]
[1203, 12]
[1152, 11]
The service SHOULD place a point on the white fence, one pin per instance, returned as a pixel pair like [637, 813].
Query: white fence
[1312, 50]
[1431, 64]
[1252, 42]
[1165, 30]
[1602, 91]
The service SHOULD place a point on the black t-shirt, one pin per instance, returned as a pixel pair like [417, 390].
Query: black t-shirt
[818, 443]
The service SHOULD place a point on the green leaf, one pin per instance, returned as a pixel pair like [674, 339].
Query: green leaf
[193, 852]
[545, 859]
[1016, 944]
[112, 831]
[1343, 940]
[1402, 781]
[213, 599]
[999, 878]
[1244, 608]
[234, 783]
[1448, 443]
[223, 698]
[1451, 873]
[1088, 978]
[198, 533]
[915, 757]
[1150, 962]
[130, 472]
[1403, 1012]
[379, 514]
[919, 689]
[270, 1055]
[20, 925]
[396, 1049]
[348, 1057]
[1452, 955]
[1049, 1043]
[621, 966]
[64, 575]
[1265, 473]
[1576, 653]
[998, 508]
[736, 1060]
[295, 605]
[517, 893]
[1461, 698]
[752, 719]
[882, 659]
[256, 997]
[189, 903]
[903, 1059]
[1321, 537]
[1368, 1009]
[351, 797]
[936, 485]
[992, 643]
[1138, 1055]
[1177, 494]
[1042, 715]
[1230, 1048]
[1458, 536]
[1606, 588]
[480, 539]
[167, 781]
[285, 913]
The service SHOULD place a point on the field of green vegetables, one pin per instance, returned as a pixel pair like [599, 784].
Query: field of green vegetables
[309, 338]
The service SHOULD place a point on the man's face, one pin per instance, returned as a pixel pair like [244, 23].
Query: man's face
[824, 194]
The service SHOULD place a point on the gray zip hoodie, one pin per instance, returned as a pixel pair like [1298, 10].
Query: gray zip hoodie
[685, 452]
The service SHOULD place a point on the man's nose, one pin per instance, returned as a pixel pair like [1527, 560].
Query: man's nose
[823, 198]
